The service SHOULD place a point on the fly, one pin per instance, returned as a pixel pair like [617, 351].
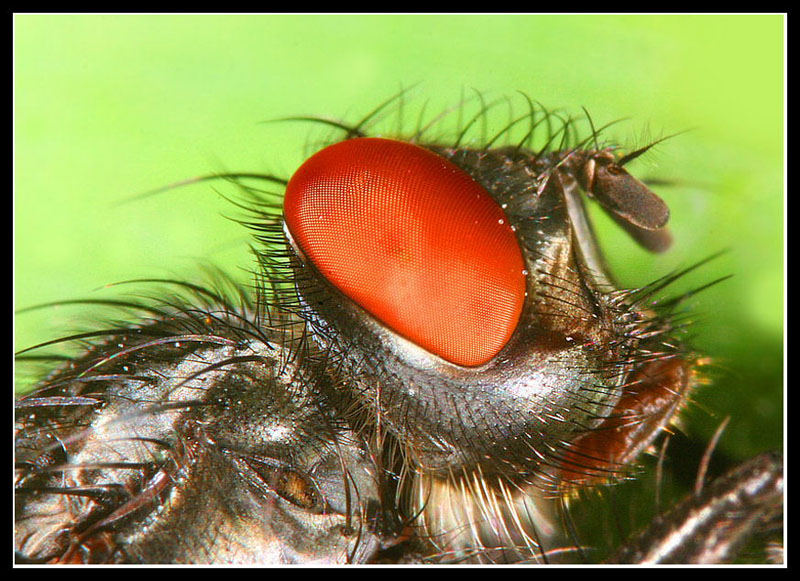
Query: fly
[436, 363]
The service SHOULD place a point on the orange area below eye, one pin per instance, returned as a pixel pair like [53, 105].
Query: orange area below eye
[415, 241]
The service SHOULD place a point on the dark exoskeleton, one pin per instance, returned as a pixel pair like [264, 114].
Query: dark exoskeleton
[294, 427]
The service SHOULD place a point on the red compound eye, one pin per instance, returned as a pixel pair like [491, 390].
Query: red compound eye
[415, 241]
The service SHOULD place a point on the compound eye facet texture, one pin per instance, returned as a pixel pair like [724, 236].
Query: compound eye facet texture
[415, 241]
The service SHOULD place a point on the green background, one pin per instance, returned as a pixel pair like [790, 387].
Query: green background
[111, 106]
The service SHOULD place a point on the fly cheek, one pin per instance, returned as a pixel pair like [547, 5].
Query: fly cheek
[428, 274]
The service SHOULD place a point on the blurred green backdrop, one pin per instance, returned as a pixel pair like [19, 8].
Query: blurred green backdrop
[110, 106]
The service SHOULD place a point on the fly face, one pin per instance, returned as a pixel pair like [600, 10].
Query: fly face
[463, 293]
[493, 338]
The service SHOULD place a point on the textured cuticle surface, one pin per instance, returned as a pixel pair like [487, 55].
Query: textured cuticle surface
[415, 241]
